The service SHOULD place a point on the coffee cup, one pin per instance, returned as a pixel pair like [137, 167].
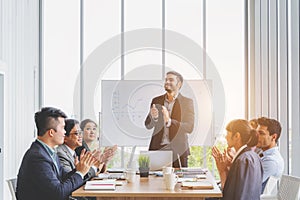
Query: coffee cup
[167, 170]
[130, 175]
[170, 180]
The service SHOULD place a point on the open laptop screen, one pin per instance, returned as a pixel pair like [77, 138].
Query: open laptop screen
[158, 159]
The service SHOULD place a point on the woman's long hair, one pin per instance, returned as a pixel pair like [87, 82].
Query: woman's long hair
[249, 136]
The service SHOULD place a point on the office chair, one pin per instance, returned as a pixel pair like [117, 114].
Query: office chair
[12, 184]
[288, 189]
[271, 186]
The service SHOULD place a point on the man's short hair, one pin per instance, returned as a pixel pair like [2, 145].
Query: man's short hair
[69, 125]
[47, 119]
[273, 126]
[84, 122]
[179, 76]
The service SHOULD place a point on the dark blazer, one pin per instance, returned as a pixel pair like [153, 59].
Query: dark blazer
[86, 147]
[244, 178]
[182, 122]
[79, 149]
[38, 177]
[68, 163]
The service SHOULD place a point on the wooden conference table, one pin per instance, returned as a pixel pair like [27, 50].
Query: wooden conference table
[151, 188]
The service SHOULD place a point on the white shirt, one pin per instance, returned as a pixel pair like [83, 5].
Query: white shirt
[72, 152]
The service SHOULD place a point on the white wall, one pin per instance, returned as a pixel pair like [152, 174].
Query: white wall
[294, 52]
[2, 91]
[19, 51]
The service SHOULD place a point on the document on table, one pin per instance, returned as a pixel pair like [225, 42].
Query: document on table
[100, 185]
[197, 185]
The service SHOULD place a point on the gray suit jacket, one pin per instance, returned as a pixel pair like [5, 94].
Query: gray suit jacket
[67, 161]
[65, 157]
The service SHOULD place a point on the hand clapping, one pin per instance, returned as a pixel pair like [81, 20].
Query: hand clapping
[85, 163]
[154, 112]
[108, 153]
[223, 160]
[166, 114]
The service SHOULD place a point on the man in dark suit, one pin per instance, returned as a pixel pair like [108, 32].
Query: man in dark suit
[172, 117]
[41, 175]
[66, 152]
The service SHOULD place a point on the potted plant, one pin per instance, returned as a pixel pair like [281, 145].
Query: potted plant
[144, 162]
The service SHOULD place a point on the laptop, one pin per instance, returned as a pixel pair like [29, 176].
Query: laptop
[118, 176]
[159, 159]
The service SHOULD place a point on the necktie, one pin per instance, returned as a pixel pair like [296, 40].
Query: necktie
[74, 156]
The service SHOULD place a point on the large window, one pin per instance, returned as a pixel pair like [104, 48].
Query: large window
[225, 46]
[273, 39]
[61, 52]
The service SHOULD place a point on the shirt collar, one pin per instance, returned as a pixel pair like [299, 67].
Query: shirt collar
[47, 147]
[269, 151]
[70, 150]
[239, 151]
[175, 97]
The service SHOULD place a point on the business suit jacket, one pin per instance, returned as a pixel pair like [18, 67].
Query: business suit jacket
[67, 161]
[84, 146]
[182, 122]
[39, 178]
[244, 178]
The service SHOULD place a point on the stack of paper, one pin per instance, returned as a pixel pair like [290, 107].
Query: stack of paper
[204, 185]
[180, 180]
[186, 170]
[100, 185]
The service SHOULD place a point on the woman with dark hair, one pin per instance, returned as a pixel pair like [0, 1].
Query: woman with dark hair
[241, 178]
[89, 128]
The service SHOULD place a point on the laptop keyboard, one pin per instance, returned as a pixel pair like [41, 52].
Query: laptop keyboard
[118, 176]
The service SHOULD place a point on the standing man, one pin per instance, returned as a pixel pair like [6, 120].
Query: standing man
[172, 117]
[40, 175]
[269, 132]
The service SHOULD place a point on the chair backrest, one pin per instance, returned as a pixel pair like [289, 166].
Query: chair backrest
[12, 184]
[289, 188]
[271, 186]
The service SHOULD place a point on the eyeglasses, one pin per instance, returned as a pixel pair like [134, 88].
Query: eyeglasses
[77, 133]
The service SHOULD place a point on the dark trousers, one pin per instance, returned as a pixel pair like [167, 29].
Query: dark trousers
[183, 161]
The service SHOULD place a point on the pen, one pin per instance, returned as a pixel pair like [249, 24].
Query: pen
[179, 161]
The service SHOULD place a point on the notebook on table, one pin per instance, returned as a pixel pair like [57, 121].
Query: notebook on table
[100, 185]
[201, 185]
